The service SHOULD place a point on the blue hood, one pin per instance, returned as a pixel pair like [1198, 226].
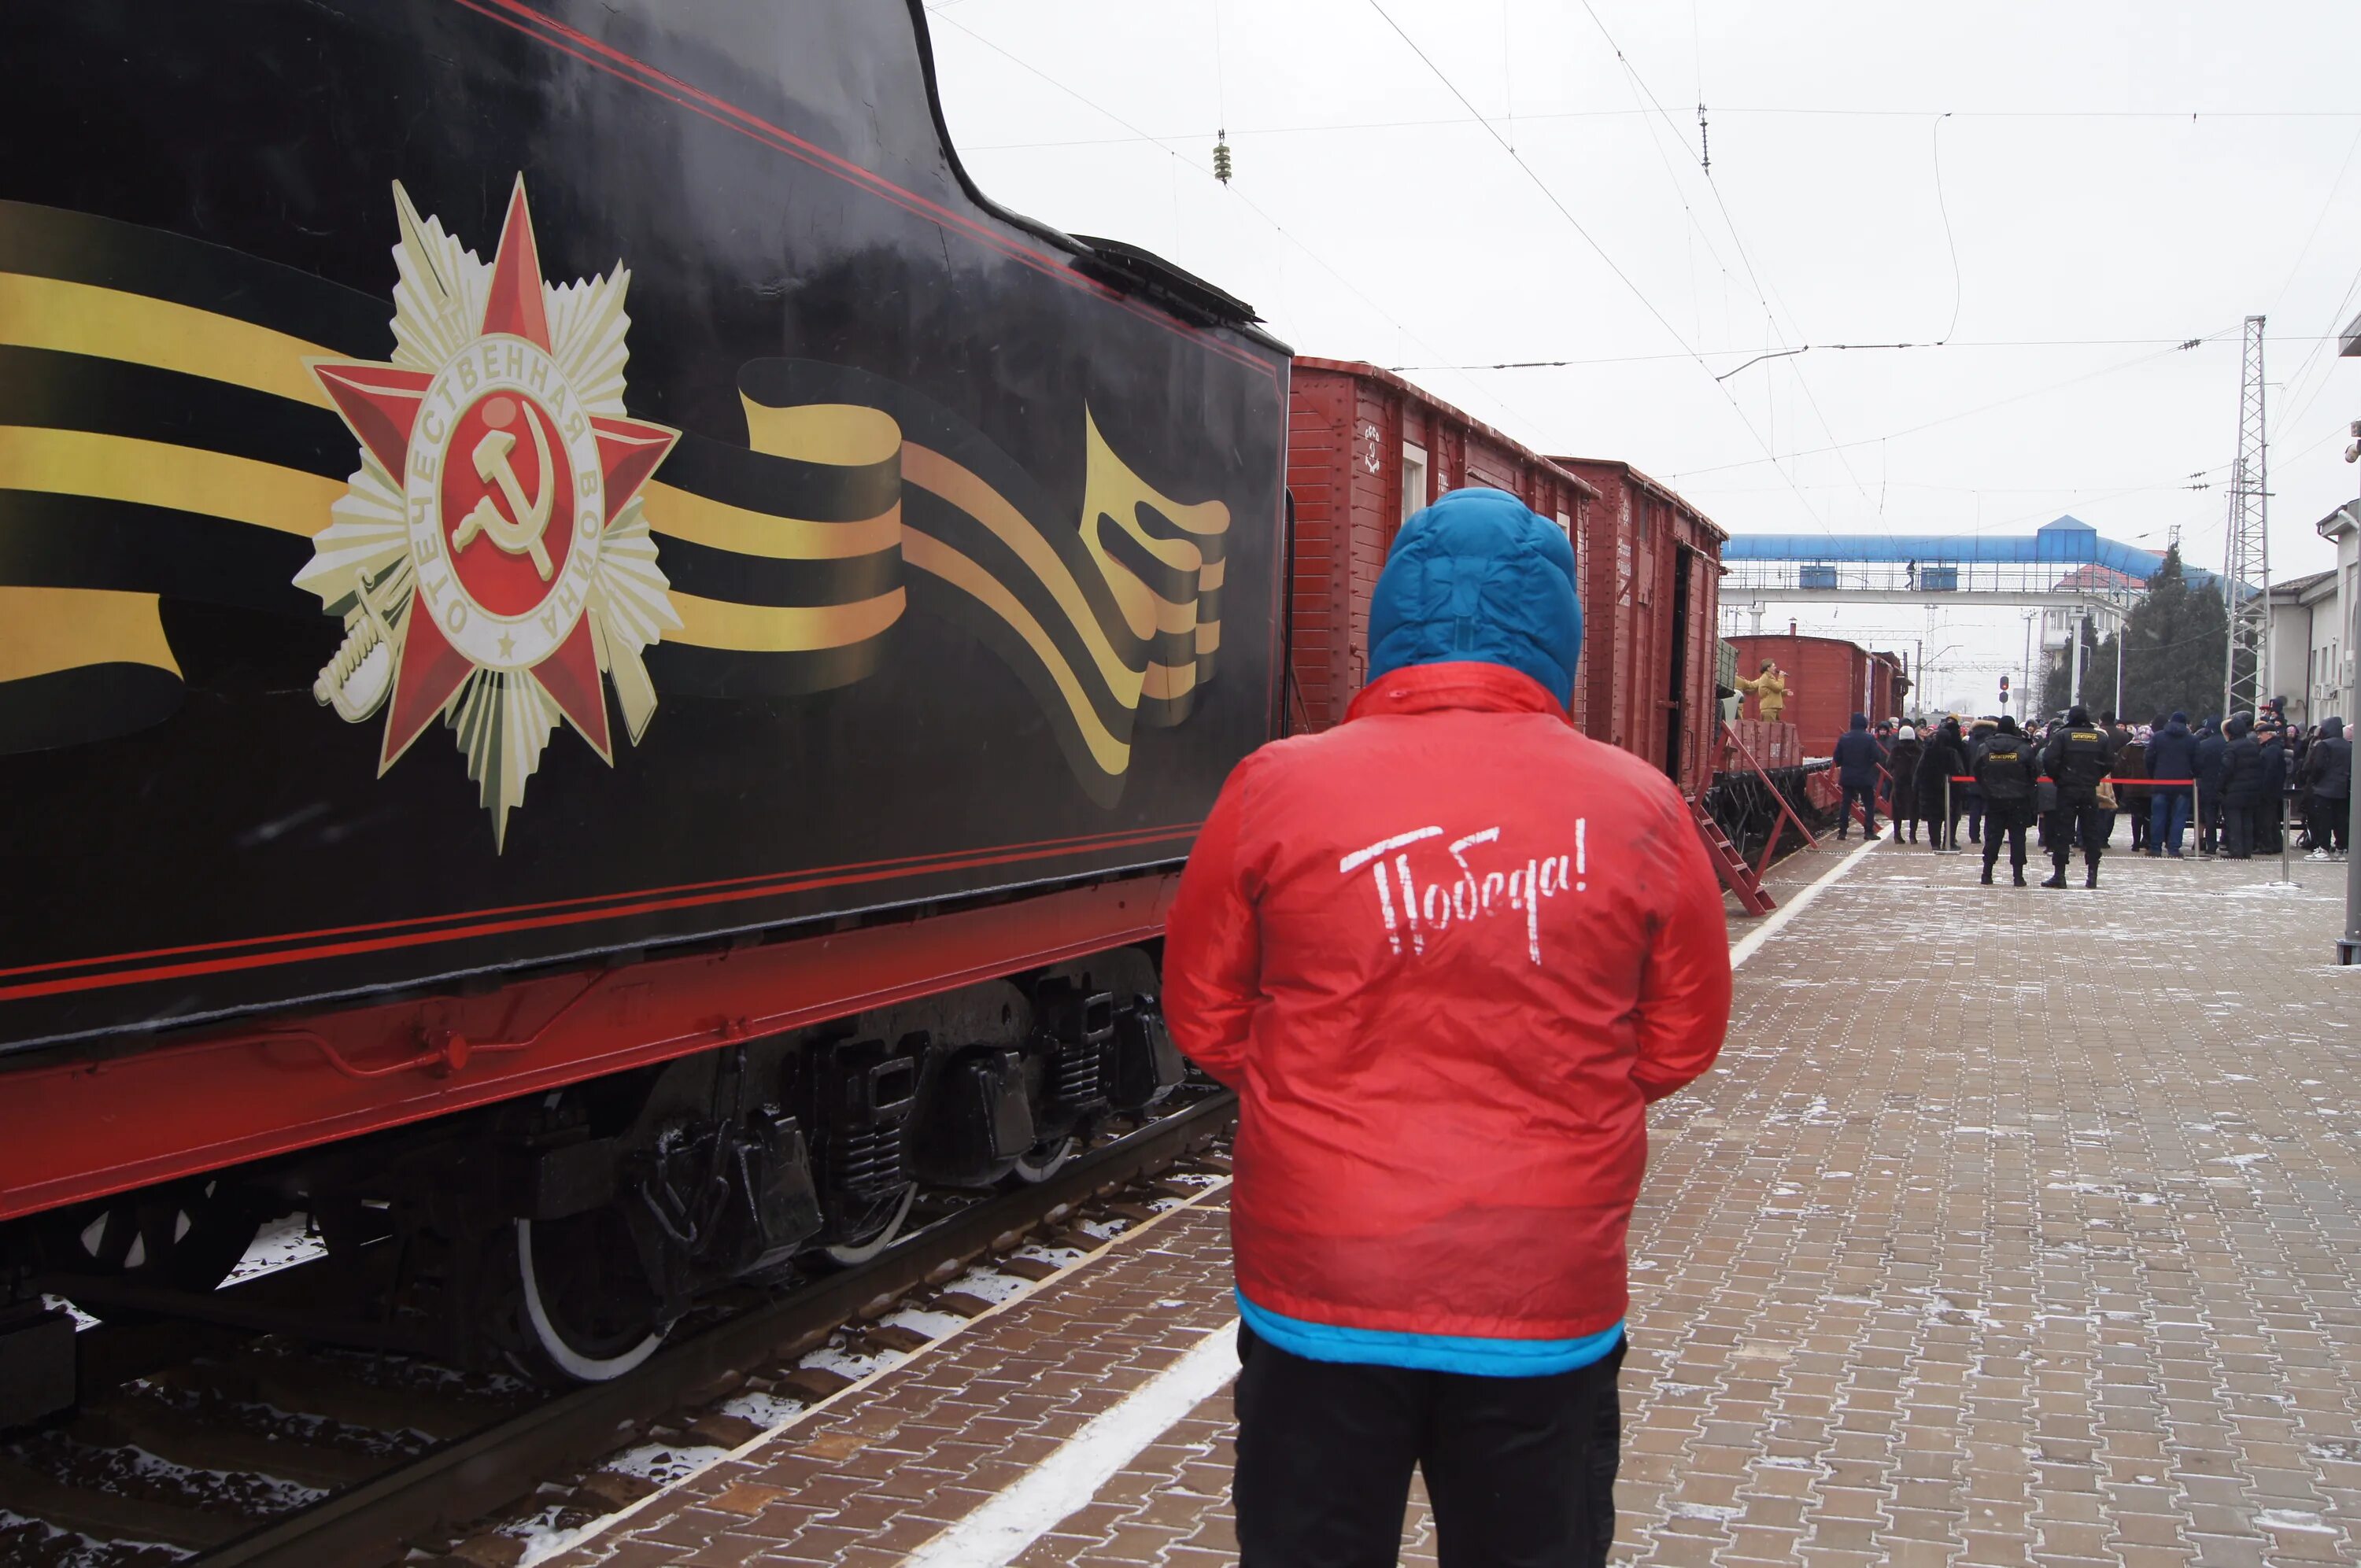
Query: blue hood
[1480, 576]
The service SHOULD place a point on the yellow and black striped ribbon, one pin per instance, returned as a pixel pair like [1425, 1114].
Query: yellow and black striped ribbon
[161, 438]
[1110, 624]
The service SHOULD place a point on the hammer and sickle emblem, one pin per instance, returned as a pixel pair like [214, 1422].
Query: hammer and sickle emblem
[522, 537]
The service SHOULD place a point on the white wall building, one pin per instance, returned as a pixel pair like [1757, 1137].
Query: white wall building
[2307, 647]
[2342, 528]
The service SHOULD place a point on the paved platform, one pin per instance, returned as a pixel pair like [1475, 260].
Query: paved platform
[2014, 1227]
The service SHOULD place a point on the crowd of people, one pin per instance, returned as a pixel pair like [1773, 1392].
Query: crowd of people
[2241, 782]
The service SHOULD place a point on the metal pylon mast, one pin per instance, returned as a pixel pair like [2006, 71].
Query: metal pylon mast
[2247, 567]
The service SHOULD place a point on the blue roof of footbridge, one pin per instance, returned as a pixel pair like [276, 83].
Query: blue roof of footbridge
[2069, 541]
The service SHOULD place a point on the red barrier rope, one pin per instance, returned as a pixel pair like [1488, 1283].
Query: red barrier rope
[2119, 783]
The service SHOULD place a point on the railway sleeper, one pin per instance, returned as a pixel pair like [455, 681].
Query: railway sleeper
[567, 1233]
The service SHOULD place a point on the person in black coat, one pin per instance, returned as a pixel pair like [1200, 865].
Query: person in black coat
[1943, 757]
[2212, 756]
[1902, 762]
[2241, 785]
[2270, 805]
[2078, 759]
[2004, 769]
[1858, 758]
[1967, 799]
[2131, 763]
[2328, 789]
[2171, 754]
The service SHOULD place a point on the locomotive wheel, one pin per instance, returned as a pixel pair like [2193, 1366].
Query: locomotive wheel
[846, 1253]
[1046, 1158]
[187, 1237]
[586, 1309]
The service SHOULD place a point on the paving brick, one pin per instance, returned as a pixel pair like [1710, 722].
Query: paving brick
[2008, 1233]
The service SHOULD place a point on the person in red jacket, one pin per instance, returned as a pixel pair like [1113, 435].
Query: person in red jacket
[1447, 953]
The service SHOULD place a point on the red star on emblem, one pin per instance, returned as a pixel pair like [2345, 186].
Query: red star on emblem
[381, 403]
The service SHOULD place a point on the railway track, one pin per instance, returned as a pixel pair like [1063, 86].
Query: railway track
[210, 1447]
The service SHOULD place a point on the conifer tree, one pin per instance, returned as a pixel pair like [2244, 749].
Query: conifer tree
[2173, 644]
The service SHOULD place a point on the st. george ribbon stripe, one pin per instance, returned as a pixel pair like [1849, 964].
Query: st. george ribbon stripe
[161, 434]
[1102, 622]
[161, 437]
[48, 388]
[155, 264]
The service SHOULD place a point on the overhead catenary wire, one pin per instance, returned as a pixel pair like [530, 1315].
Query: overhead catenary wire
[1588, 238]
[1318, 260]
[1486, 391]
[1981, 408]
[1531, 117]
[1763, 296]
[2336, 319]
[1949, 238]
[1841, 347]
[2326, 202]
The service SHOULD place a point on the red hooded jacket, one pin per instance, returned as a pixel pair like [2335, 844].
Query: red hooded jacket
[1447, 953]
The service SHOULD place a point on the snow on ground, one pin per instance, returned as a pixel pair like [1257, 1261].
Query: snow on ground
[281, 1244]
[667, 1464]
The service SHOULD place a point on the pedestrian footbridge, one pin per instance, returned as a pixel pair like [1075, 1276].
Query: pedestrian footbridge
[2063, 565]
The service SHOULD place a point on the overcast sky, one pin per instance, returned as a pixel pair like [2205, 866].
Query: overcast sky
[2116, 179]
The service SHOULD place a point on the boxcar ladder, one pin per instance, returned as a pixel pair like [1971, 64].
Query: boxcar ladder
[1736, 875]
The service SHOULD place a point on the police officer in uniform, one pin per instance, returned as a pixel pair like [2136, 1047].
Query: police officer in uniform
[2080, 756]
[2003, 770]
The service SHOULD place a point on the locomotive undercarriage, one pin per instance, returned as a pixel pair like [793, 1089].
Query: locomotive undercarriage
[567, 1233]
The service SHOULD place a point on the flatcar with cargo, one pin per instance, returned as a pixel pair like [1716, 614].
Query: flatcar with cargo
[1829, 679]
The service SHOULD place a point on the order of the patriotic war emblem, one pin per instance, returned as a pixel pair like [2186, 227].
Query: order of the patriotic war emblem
[491, 561]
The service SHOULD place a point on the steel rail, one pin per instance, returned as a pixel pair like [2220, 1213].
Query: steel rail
[468, 1478]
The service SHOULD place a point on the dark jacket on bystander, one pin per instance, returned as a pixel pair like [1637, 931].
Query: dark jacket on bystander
[2172, 752]
[2212, 756]
[2329, 768]
[2242, 763]
[1857, 755]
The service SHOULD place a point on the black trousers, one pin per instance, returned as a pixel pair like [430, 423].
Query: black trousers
[2209, 820]
[2238, 829]
[1868, 798]
[2092, 822]
[2331, 820]
[2013, 824]
[1520, 1471]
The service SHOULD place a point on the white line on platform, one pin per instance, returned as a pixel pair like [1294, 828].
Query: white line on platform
[1753, 940]
[1072, 1475]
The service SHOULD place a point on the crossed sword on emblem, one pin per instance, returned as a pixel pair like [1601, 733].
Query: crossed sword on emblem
[523, 536]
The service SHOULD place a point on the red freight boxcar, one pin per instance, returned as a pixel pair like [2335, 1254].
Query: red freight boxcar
[1653, 592]
[1828, 681]
[1365, 449]
[1893, 681]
